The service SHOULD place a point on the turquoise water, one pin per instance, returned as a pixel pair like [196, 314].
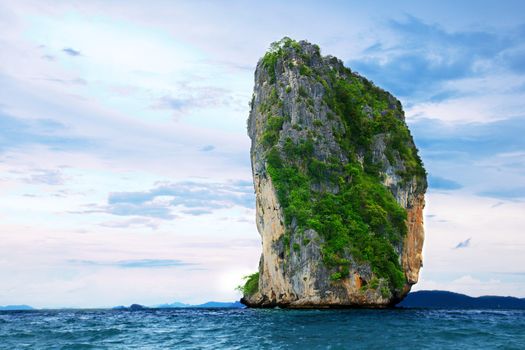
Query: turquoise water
[264, 329]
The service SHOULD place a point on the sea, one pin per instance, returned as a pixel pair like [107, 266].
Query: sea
[263, 329]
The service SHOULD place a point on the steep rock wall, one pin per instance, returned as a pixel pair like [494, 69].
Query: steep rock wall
[339, 185]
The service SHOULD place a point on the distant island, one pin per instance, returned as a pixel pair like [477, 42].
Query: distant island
[207, 305]
[438, 299]
[179, 305]
[16, 308]
[428, 299]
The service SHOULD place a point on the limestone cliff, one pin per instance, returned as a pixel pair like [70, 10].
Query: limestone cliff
[339, 185]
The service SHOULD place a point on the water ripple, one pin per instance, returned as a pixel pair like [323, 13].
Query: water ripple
[262, 329]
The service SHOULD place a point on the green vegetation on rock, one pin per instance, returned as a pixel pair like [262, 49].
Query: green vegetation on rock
[343, 200]
[362, 220]
[349, 98]
[251, 286]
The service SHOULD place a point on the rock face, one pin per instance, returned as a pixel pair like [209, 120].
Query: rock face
[339, 186]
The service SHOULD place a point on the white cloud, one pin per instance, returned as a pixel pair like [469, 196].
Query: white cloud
[200, 55]
[49, 272]
[496, 242]
[481, 108]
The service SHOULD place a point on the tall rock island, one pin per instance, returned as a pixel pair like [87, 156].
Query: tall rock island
[339, 186]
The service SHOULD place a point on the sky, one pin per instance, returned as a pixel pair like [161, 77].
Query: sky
[124, 159]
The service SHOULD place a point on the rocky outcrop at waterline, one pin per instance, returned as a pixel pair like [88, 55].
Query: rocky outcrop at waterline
[339, 185]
